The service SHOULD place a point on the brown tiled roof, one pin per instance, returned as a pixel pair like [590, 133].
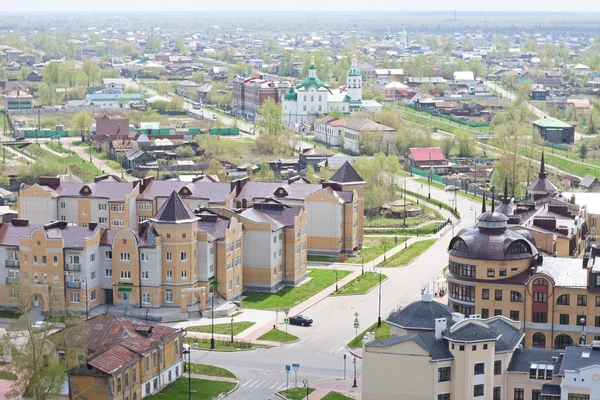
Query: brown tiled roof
[174, 210]
[113, 191]
[255, 215]
[73, 236]
[285, 215]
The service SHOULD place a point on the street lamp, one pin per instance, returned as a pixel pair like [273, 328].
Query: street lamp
[354, 385]
[362, 262]
[84, 281]
[187, 350]
[430, 177]
[232, 329]
[305, 382]
[336, 278]
[212, 316]
[379, 315]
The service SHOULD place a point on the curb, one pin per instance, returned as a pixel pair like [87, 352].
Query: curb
[417, 257]
[358, 294]
[353, 353]
[312, 305]
[237, 385]
[281, 396]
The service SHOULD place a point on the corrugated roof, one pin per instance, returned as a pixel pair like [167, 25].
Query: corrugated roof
[549, 122]
[284, 215]
[423, 153]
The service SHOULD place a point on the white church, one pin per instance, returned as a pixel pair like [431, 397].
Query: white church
[311, 98]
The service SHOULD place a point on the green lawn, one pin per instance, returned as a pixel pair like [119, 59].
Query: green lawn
[211, 370]
[9, 314]
[75, 164]
[335, 396]
[7, 376]
[296, 393]
[361, 284]
[203, 389]
[290, 296]
[373, 247]
[382, 332]
[276, 335]
[426, 230]
[406, 256]
[222, 329]
[429, 214]
[220, 344]
[316, 258]
[236, 314]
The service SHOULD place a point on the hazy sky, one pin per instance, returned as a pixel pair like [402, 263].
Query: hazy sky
[260, 5]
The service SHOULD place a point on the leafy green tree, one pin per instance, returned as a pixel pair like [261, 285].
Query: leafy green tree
[82, 122]
[448, 144]
[265, 174]
[47, 95]
[477, 68]
[176, 103]
[153, 44]
[336, 113]
[184, 152]
[380, 171]
[466, 143]
[583, 150]
[180, 45]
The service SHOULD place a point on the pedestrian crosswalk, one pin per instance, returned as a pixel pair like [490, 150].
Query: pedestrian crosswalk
[339, 352]
[263, 385]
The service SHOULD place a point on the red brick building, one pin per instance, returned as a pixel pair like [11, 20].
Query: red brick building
[250, 93]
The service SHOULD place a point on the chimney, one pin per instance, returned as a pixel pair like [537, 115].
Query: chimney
[586, 260]
[427, 297]
[440, 325]
[457, 317]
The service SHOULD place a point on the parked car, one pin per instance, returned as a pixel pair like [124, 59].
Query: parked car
[19, 138]
[450, 188]
[41, 325]
[300, 320]
[196, 106]
[55, 137]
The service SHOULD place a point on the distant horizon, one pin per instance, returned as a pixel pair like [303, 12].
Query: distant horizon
[118, 6]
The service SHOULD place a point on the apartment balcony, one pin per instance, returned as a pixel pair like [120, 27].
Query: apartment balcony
[73, 285]
[12, 264]
[73, 267]
[11, 280]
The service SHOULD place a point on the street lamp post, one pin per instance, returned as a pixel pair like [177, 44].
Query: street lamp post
[384, 251]
[430, 177]
[362, 262]
[232, 329]
[84, 280]
[354, 385]
[212, 317]
[336, 279]
[188, 351]
[379, 315]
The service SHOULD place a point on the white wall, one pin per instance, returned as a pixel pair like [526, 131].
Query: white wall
[205, 259]
[583, 379]
[38, 210]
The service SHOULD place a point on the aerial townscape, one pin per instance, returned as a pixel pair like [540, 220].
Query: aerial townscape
[299, 201]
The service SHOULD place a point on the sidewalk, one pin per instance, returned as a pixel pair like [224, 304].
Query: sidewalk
[343, 386]
[56, 153]
[212, 378]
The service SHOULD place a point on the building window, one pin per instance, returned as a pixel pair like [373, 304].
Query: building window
[108, 273]
[117, 207]
[540, 317]
[74, 297]
[502, 272]
[144, 257]
[108, 255]
[479, 369]
[125, 274]
[539, 339]
[563, 300]
[540, 282]
[125, 257]
[146, 297]
[169, 256]
[497, 393]
[540, 297]
[118, 384]
[536, 394]
[498, 294]
[102, 207]
[229, 285]
[516, 297]
[93, 276]
[519, 394]
[514, 315]
[117, 222]
[443, 374]
[93, 295]
[597, 321]
[183, 256]
[145, 274]
[562, 341]
[597, 301]
[102, 220]
[145, 205]
[478, 390]
[491, 272]
[443, 396]
[461, 292]
[184, 274]
[485, 294]
[126, 379]
[168, 296]
[485, 313]
[498, 367]
[582, 300]
[578, 396]
[564, 319]
[169, 274]
[237, 281]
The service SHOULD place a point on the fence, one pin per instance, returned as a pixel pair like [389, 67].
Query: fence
[44, 133]
[451, 118]
[224, 131]
[556, 145]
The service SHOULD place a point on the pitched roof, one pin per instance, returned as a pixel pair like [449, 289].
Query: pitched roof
[214, 225]
[174, 210]
[420, 315]
[424, 153]
[587, 181]
[549, 122]
[284, 215]
[346, 174]
[438, 349]
[574, 359]
[523, 358]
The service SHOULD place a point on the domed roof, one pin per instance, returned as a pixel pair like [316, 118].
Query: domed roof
[354, 71]
[490, 216]
[505, 208]
[420, 315]
[291, 95]
[479, 243]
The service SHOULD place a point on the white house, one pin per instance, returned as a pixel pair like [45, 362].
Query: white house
[114, 86]
[345, 132]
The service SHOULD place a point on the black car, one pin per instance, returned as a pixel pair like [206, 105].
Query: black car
[300, 320]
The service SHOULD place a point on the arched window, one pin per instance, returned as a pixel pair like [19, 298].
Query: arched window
[539, 340]
[459, 245]
[563, 300]
[516, 297]
[518, 248]
[562, 341]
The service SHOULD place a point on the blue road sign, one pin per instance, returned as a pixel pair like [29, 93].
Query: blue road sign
[296, 366]
[288, 368]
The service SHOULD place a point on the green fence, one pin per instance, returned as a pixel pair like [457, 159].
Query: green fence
[44, 134]
[556, 145]
[427, 174]
[450, 118]
[172, 112]
[224, 131]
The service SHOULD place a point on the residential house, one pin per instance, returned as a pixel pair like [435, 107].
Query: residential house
[114, 86]
[346, 132]
[554, 130]
[590, 184]
[427, 158]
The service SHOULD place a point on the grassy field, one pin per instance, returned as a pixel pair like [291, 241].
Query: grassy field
[361, 284]
[7, 376]
[211, 370]
[429, 214]
[373, 247]
[290, 296]
[220, 344]
[426, 230]
[382, 332]
[77, 166]
[296, 393]
[406, 256]
[315, 258]
[203, 389]
[335, 396]
[276, 335]
[222, 329]
[9, 314]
